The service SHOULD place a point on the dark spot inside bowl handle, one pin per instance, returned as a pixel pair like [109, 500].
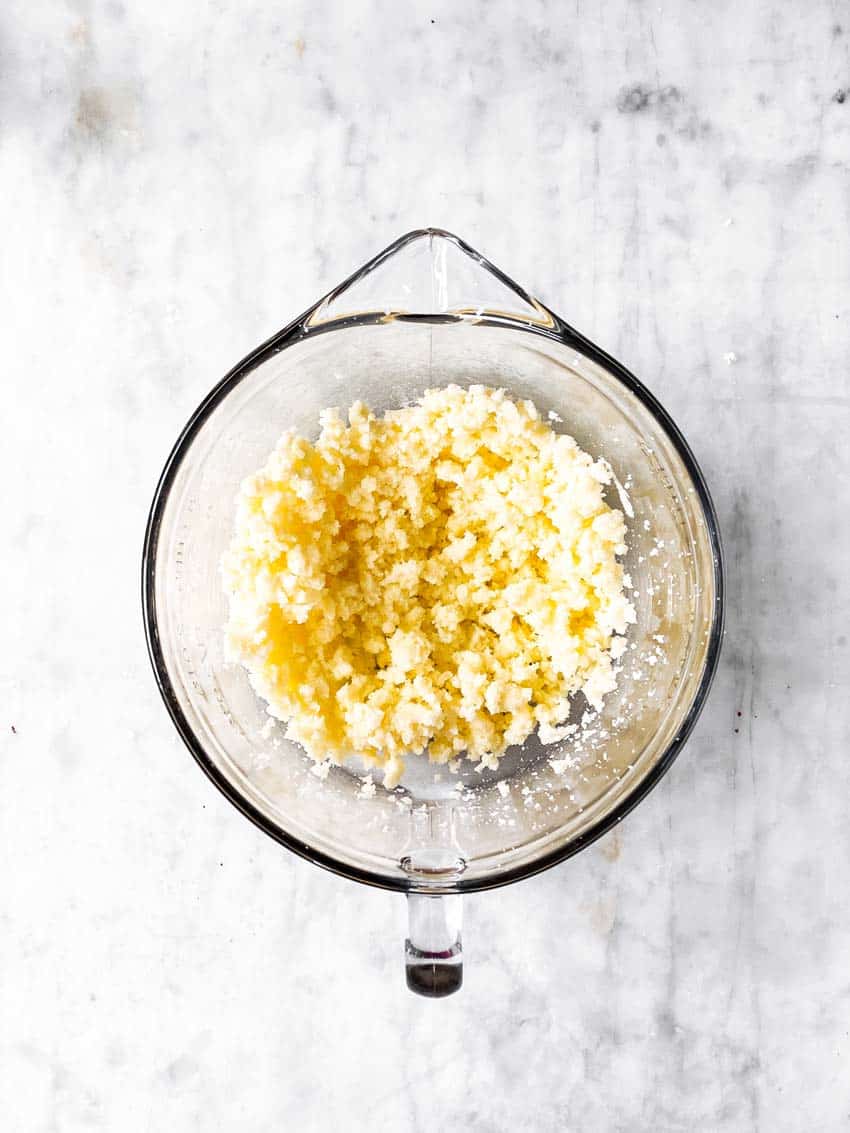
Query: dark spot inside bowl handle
[432, 951]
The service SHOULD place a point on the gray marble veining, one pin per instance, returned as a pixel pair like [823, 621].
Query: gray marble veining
[178, 182]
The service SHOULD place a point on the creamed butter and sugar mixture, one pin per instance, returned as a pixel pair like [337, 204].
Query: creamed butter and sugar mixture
[443, 577]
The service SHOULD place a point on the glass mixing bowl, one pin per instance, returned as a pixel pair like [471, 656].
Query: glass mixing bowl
[426, 312]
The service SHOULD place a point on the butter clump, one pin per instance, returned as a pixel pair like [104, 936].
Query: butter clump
[443, 577]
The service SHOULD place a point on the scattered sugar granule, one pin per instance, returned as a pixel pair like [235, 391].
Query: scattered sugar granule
[618, 648]
[367, 788]
[551, 735]
[559, 766]
[489, 762]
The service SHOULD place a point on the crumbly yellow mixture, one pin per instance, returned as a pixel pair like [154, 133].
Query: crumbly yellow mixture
[445, 576]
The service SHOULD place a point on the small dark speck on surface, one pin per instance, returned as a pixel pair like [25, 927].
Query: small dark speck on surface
[595, 127]
[106, 114]
[837, 29]
[328, 98]
[762, 99]
[839, 96]
[737, 731]
[740, 714]
[633, 99]
[93, 118]
[14, 730]
[179, 1071]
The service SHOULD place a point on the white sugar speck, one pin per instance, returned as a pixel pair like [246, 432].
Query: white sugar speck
[367, 788]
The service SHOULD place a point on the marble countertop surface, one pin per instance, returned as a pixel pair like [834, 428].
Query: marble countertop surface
[179, 181]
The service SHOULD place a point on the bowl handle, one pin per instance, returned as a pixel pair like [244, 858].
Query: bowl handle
[432, 951]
